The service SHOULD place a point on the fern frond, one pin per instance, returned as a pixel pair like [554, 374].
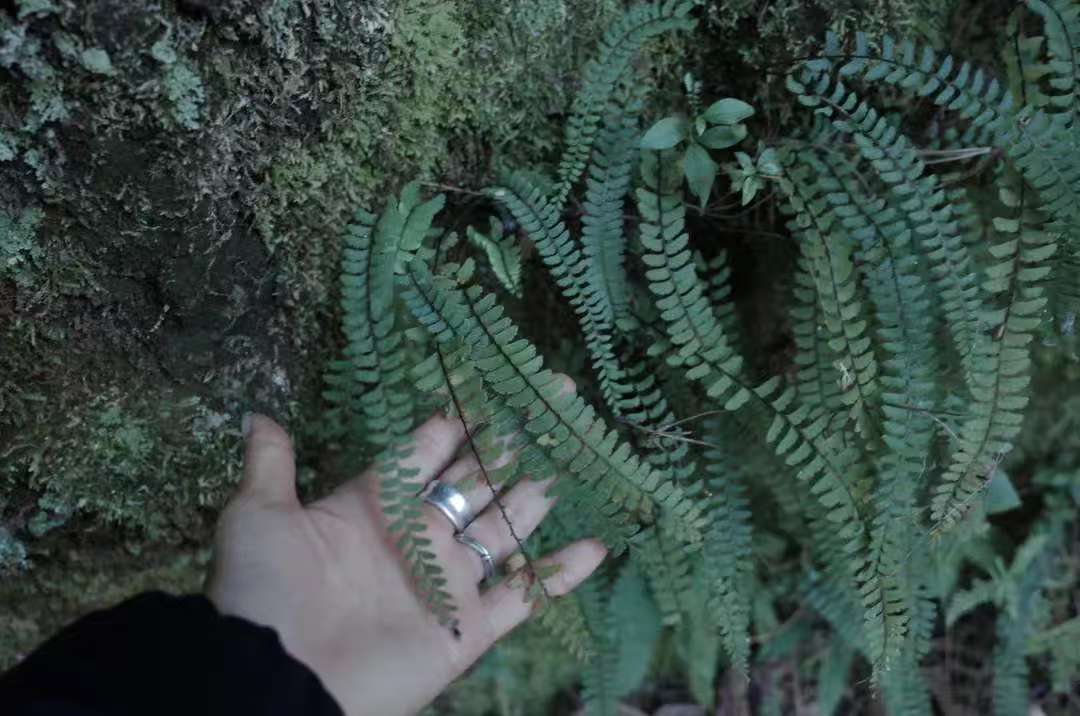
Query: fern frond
[728, 552]
[617, 49]
[1033, 140]
[1000, 371]
[603, 237]
[542, 224]
[895, 287]
[406, 524]
[917, 193]
[826, 255]
[629, 626]
[818, 379]
[370, 383]
[795, 433]
[502, 253]
[667, 564]
[1062, 24]
[564, 431]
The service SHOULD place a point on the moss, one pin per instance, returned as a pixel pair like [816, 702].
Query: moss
[19, 251]
[155, 467]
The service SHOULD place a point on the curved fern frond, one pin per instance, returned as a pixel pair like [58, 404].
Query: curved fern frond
[542, 224]
[1062, 24]
[667, 565]
[728, 553]
[603, 237]
[617, 49]
[370, 383]
[795, 433]
[502, 253]
[817, 367]
[918, 194]
[406, 523]
[563, 429]
[827, 257]
[1001, 370]
[1031, 139]
[897, 290]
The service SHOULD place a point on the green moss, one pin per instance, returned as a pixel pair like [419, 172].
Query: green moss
[156, 466]
[20, 253]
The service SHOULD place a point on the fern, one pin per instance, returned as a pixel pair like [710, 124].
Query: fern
[369, 383]
[916, 300]
[541, 222]
[827, 259]
[918, 194]
[502, 254]
[794, 432]
[728, 549]
[600, 473]
[602, 234]
[1000, 372]
[601, 75]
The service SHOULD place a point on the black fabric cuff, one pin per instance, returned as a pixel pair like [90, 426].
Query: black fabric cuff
[163, 654]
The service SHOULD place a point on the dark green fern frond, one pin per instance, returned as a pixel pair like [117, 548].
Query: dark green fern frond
[667, 565]
[826, 254]
[603, 236]
[542, 224]
[1000, 372]
[896, 290]
[625, 630]
[818, 380]
[406, 524]
[562, 428]
[502, 253]
[370, 384]
[727, 555]
[1036, 142]
[1062, 25]
[620, 44]
[917, 194]
[795, 433]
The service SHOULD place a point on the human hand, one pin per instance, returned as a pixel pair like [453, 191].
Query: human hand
[328, 578]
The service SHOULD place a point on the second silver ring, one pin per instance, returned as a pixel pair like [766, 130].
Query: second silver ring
[450, 501]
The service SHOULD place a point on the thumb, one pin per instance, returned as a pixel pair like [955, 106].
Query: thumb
[269, 465]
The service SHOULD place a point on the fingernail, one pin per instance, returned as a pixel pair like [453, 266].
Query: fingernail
[245, 425]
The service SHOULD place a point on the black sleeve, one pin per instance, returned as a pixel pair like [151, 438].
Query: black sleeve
[161, 654]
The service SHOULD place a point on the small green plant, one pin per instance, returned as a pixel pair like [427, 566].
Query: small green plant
[870, 467]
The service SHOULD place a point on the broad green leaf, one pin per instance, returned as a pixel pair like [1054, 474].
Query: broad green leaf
[700, 171]
[723, 137]
[665, 134]
[728, 111]
[1000, 494]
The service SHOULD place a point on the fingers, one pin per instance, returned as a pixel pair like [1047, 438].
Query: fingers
[525, 506]
[434, 445]
[269, 464]
[506, 606]
[467, 475]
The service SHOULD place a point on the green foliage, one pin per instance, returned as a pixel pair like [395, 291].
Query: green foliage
[602, 75]
[502, 253]
[851, 486]
[20, 252]
[718, 127]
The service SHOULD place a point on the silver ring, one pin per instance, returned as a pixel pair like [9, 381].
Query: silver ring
[449, 501]
[485, 555]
